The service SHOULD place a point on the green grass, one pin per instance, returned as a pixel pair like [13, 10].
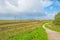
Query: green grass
[22, 30]
[37, 34]
[54, 28]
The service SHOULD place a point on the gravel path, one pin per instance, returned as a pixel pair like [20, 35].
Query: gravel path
[52, 35]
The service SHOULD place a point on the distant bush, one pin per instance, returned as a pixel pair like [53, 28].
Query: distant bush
[57, 19]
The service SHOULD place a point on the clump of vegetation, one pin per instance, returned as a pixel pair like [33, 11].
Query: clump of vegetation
[57, 19]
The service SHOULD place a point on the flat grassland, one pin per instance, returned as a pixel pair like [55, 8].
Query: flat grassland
[53, 27]
[22, 30]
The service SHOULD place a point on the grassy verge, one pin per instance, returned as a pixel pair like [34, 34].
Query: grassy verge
[53, 27]
[37, 34]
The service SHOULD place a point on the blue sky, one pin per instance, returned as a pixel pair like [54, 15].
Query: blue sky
[29, 9]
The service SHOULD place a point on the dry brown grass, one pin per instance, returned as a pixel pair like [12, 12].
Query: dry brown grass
[13, 28]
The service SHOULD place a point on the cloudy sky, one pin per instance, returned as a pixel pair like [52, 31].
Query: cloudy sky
[28, 9]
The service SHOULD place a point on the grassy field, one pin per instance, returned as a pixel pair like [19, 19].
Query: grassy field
[53, 27]
[22, 30]
[37, 34]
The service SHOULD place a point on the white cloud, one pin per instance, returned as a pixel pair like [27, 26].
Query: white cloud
[10, 7]
[50, 15]
[45, 3]
[24, 5]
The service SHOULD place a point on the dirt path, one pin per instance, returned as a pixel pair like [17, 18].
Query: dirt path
[52, 35]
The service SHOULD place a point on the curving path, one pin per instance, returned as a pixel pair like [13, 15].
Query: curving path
[52, 35]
